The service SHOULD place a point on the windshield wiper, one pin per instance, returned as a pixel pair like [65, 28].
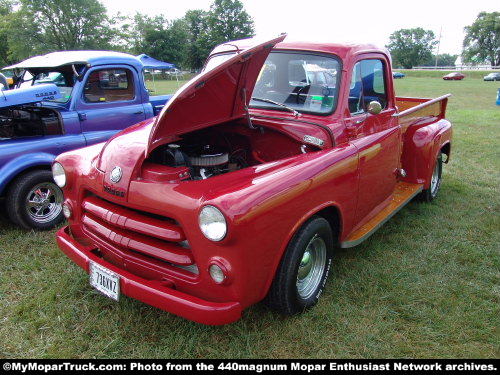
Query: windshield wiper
[295, 113]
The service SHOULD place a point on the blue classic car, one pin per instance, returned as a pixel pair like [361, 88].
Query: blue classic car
[398, 75]
[62, 101]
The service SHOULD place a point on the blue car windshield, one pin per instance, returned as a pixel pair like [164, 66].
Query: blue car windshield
[63, 80]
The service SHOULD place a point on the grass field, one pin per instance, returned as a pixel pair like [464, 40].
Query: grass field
[427, 284]
[161, 87]
[474, 74]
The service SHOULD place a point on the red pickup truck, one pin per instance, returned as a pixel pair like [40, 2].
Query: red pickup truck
[251, 176]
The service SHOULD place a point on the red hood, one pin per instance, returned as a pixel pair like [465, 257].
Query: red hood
[214, 96]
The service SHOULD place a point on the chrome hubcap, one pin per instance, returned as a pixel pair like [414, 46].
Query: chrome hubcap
[311, 268]
[44, 202]
[435, 179]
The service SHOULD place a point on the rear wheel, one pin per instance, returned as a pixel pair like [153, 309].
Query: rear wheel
[34, 201]
[430, 194]
[303, 271]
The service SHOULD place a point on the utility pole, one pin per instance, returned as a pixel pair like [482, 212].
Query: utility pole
[439, 43]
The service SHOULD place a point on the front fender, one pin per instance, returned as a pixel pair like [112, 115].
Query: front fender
[18, 165]
[269, 208]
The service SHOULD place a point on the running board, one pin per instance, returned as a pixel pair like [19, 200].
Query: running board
[403, 193]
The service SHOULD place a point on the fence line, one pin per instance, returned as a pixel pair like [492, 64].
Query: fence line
[459, 67]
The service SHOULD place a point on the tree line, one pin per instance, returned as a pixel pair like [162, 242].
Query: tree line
[33, 27]
[481, 45]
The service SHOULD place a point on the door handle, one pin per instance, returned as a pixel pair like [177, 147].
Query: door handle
[353, 127]
[138, 113]
[352, 131]
[360, 120]
[82, 116]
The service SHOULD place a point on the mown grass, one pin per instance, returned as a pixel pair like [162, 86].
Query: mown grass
[427, 284]
[162, 87]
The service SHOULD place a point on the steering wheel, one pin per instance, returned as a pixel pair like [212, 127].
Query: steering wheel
[298, 99]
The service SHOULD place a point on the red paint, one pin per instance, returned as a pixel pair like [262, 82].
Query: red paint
[454, 76]
[139, 235]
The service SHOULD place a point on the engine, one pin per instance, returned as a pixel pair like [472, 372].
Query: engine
[203, 160]
[26, 121]
[218, 150]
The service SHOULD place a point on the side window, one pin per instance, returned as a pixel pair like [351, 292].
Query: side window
[372, 75]
[109, 85]
[367, 84]
[356, 91]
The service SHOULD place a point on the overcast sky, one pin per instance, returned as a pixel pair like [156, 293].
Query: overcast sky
[337, 21]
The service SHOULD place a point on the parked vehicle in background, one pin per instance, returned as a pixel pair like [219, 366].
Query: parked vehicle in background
[53, 77]
[250, 178]
[454, 76]
[397, 75]
[174, 72]
[492, 77]
[63, 101]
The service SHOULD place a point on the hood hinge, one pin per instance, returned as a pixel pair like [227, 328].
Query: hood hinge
[247, 113]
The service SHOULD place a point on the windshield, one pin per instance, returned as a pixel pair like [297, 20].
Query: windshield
[304, 82]
[63, 79]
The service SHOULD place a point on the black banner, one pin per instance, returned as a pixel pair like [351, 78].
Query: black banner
[294, 366]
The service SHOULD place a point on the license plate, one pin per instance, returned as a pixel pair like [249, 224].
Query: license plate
[105, 281]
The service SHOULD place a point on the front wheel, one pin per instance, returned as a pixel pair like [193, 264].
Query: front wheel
[430, 194]
[303, 271]
[34, 201]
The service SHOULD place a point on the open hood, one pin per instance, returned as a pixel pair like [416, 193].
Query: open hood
[217, 95]
[28, 95]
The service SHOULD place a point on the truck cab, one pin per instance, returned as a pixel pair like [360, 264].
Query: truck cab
[98, 93]
[251, 176]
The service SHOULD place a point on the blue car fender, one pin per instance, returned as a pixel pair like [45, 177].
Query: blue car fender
[16, 166]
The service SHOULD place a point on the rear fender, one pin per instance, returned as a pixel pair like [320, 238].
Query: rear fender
[25, 162]
[421, 147]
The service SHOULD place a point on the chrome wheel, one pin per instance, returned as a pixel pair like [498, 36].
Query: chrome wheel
[311, 268]
[44, 202]
[435, 178]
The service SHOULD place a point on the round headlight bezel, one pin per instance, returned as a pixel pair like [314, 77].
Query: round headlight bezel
[215, 230]
[59, 175]
[67, 210]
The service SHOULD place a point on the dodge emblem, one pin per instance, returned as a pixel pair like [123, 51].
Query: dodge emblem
[116, 175]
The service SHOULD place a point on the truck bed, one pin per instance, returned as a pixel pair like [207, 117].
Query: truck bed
[420, 110]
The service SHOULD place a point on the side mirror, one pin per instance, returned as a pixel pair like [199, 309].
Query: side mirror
[374, 108]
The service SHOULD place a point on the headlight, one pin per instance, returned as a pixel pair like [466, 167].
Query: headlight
[59, 175]
[212, 223]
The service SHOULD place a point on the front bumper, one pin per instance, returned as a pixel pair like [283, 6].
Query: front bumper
[151, 292]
